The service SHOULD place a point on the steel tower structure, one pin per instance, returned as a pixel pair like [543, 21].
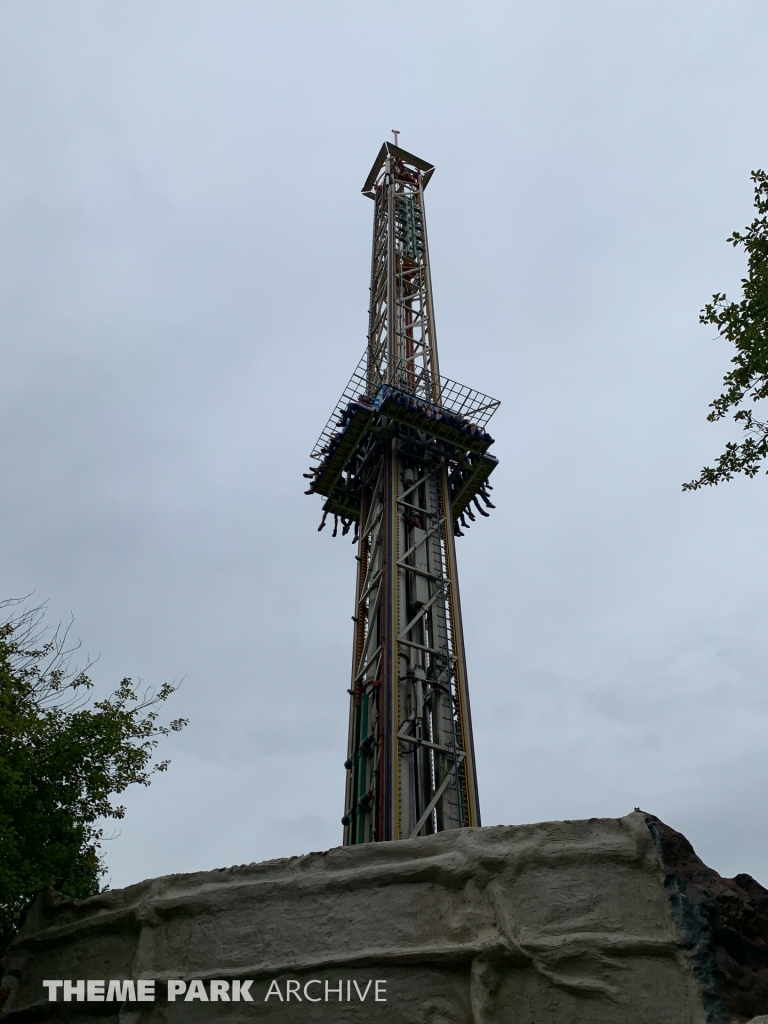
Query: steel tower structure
[403, 458]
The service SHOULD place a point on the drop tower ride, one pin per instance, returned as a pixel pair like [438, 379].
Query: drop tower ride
[404, 459]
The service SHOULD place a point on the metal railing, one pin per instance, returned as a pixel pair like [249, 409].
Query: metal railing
[465, 402]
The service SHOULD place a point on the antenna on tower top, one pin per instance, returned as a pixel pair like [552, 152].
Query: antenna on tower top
[395, 133]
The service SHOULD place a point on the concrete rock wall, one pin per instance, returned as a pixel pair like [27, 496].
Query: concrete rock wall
[555, 923]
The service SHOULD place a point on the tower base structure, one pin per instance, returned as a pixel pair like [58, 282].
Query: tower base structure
[605, 921]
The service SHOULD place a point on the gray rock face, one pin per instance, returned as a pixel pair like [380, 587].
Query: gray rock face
[555, 923]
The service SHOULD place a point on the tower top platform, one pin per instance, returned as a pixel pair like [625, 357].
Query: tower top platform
[389, 149]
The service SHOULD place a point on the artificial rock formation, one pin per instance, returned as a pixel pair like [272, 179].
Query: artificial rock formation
[570, 922]
[725, 925]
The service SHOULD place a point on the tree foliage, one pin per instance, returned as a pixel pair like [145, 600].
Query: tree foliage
[745, 325]
[62, 757]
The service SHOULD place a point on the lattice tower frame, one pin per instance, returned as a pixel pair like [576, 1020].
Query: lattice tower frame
[411, 762]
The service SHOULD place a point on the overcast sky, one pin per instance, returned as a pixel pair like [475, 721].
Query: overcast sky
[184, 264]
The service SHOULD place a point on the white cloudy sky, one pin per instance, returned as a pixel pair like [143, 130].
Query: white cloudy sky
[184, 259]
